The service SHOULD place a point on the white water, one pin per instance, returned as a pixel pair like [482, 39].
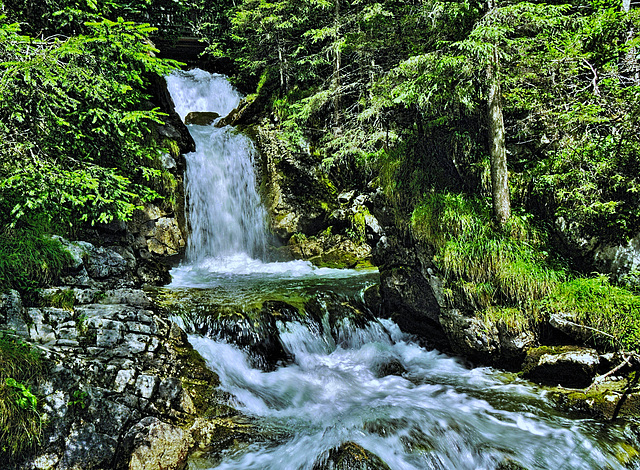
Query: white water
[226, 217]
[225, 213]
[436, 414]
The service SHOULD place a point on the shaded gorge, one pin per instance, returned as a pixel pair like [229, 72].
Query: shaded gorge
[327, 384]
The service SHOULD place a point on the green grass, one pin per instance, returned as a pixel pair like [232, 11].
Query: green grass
[61, 298]
[29, 259]
[484, 265]
[20, 422]
[596, 303]
[508, 277]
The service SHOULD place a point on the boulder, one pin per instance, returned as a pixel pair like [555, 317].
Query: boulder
[201, 118]
[470, 336]
[409, 300]
[568, 366]
[153, 444]
[350, 456]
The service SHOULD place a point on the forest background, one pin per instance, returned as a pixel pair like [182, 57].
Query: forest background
[491, 127]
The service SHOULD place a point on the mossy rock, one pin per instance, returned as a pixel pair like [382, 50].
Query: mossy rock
[568, 366]
[204, 118]
[608, 400]
[350, 456]
[509, 464]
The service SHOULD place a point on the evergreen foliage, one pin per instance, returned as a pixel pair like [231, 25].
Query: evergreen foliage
[402, 86]
[75, 128]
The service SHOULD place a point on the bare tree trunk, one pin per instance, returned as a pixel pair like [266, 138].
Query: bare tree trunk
[499, 171]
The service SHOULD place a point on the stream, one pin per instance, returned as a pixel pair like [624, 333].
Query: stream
[363, 382]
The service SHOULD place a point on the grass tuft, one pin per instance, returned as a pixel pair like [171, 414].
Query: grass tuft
[594, 302]
[507, 276]
[20, 422]
[486, 266]
[29, 259]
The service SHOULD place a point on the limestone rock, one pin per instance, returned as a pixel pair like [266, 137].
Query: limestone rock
[568, 366]
[12, 312]
[88, 450]
[154, 444]
[104, 263]
[165, 238]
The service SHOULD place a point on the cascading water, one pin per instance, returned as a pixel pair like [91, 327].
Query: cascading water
[415, 409]
[225, 215]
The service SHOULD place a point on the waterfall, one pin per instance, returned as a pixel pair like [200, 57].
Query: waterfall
[342, 379]
[226, 217]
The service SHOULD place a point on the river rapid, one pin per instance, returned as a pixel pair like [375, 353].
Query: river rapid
[369, 384]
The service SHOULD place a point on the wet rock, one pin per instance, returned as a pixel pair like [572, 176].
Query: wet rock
[510, 464]
[153, 444]
[235, 115]
[469, 336]
[201, 118]
[350, 456]
[409, 300]
[390, 366]
[609, 398]
[568, 366]
[514, 345]
[373, 300]
[253, 330]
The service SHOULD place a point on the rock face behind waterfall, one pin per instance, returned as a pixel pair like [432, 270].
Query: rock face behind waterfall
[317, 215]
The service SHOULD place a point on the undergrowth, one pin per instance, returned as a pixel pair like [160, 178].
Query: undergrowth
[483, 264]
[606, 308]
[21, 424]
[29, 259]
[508, 276]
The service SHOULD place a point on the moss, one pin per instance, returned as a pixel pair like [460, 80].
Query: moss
[172, 146]
[605, 401]
[336, 259]
[351, 456]
[61, 298]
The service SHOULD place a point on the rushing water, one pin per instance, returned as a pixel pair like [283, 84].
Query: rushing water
[415, 409]
[224, 210]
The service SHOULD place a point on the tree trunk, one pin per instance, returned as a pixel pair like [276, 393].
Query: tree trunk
[499, 172]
